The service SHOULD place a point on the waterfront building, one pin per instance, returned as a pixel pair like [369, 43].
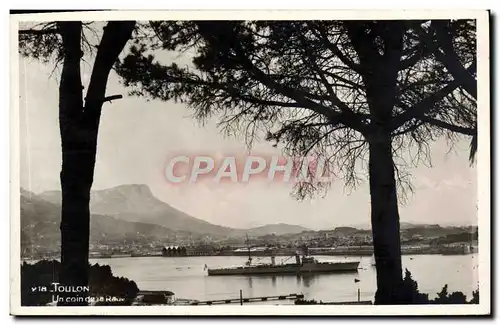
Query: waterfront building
[177, 251]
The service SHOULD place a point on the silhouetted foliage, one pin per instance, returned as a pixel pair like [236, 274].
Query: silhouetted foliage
[475, 297]
[307, 302]
[413, 296]
[410, 295]
[102, 283]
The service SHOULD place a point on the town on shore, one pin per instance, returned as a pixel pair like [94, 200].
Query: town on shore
[341, 241]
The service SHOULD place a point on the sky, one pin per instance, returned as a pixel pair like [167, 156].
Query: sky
[136, 137]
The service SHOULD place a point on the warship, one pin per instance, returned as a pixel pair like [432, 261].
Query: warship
[304, 264]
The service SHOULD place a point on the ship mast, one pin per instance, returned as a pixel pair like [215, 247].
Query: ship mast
[248, 247]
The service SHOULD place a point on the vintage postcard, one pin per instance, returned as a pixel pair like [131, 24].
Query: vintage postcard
[250, 163]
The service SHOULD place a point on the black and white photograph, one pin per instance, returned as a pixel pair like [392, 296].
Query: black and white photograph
[250, 163]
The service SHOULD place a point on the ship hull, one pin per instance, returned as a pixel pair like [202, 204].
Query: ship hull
[292, 269]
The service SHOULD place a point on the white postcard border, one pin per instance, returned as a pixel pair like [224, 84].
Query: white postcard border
[483, 164]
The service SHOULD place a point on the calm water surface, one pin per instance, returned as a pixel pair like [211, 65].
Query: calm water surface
[186, 277]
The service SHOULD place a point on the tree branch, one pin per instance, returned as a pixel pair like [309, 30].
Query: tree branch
[110, 98]
[335, 49]
[449, 57]
[332, 96]
[424, 106]
[448, 126]
[116, 34]
[409, 129]
[344, 80]
[38, 31]
[298, 95]
[452, 63]
[301, 98]
[412, 60]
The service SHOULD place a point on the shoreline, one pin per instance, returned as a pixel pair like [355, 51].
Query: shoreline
[343, 253]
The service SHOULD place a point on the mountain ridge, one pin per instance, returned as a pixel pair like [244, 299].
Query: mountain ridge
[134, 199]
[40, 219]
[136, 203]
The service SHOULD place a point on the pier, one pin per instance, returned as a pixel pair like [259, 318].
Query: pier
[154, 297]
[241, 300]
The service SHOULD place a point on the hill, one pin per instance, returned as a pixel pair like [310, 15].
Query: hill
[276, 229]
[127, 212]
[40, 226]
[136, 203]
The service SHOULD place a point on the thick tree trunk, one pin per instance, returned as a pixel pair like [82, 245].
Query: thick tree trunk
[76, 181]
[385, 223]
[79, 125]
[379, 67]
[74, 170]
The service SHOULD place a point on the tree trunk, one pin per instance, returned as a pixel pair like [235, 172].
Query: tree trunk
[385, 223]
[74, 170]
[79, 125]
[380, 62]
[76, 181]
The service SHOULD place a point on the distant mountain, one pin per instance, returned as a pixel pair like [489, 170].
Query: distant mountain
[40, 225]
[39, 221]
[277, 229]
[430, 231]
[362, 226]
[344, 231]
[135, 203]
[408, 225]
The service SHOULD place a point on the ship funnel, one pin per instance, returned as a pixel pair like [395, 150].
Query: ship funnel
[273, 260]
[297, 258]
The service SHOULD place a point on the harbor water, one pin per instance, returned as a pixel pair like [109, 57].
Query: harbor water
[187, 277]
